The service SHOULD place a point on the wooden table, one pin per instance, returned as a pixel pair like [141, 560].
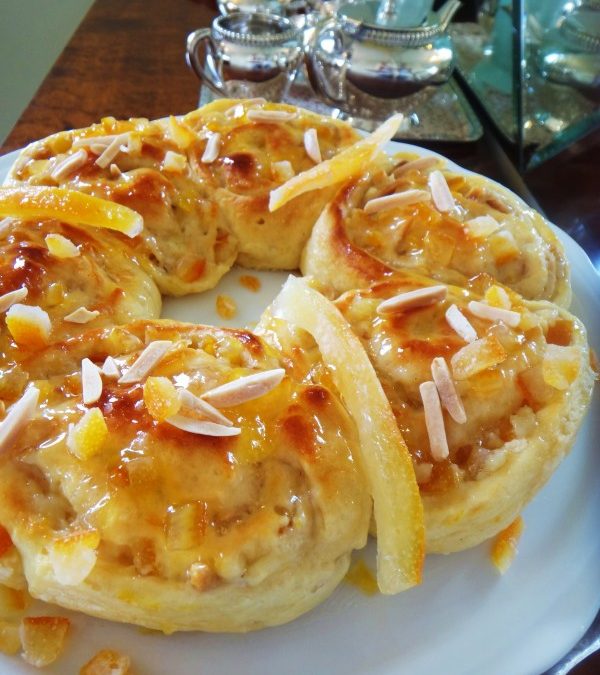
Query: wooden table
[127, 60]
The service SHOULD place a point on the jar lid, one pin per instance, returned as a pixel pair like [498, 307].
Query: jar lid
[380, 22]
[581, 29]
[255, 29]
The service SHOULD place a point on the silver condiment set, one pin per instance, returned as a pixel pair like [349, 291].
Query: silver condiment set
[383, 49]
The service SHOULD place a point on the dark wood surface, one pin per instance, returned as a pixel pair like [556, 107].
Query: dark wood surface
[127, 60]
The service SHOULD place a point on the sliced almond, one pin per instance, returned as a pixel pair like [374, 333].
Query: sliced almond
[270, 115]
[235, 112]
[5, 225]
[282, 170]
[93, 140]
[434, 421]
[244, 388]
[61, 247]
[311, 145]
[489, 313]
[211, 151]
[174, 162]
[440, 192]
[9, 299]
[421, 297]
[145, 362]
[112, 150]
[82, 315]
[17, 416]
[447, 390]
[114, 171]
[482, 226]
[423, 471]
[91, 382]
[201, 409]
[416, 165]
[110, 369]
[396, 200]
[460, 324]
[201, 427]
[69, 164]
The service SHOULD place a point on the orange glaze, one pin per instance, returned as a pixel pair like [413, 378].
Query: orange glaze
[164, 498]
[402, 347]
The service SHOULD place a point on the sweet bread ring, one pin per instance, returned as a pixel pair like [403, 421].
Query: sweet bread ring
[408, 212]
[514, 379]
[129, 517]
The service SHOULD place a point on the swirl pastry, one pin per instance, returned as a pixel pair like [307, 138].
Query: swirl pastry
[151, 505]
[408, 212]
[514, 380]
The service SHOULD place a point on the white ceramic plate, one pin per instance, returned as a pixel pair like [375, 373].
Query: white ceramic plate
[463, 620]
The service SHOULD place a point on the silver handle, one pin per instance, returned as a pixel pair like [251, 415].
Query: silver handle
[194, 40]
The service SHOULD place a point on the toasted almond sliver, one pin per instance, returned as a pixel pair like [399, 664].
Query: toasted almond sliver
[421, 297]
[110, 369]
[211, 151]
[482, 226]
[69, 164]
[91, 382]
[93, 140]
[270, 115]
[18, 415]
[489, 313]
[82, 315]
[434, 420]
[283, 170]
[202, 409]
[114, 171]
[235, 112]
[146, 361]
[311, 145]
[112, 150]
[9, 299]
[440, 192]
[396, 200]
[201, 427]
[460, 324]
[447, 390]
[244, 388]
[416, 165]
[423, 471]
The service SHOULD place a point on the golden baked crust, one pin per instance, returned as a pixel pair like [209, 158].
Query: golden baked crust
[246, 172]
[524, 389]
[488, 230]
[186, 531]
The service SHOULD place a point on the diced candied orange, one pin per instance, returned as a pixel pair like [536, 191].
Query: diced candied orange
[360, 576]
[181, 134]
[250, 282]
[560, 333]
[73, 556]
[504, 547]
[160, 397]
[141, 470]
[477, 356]
[560, 366]
[226, 307]
[440, 247]
[29, 326]
[86, 438]
[10, 642]
[43, 638]
[202, 577]
[13, 602]
[61, 247]
[107, 662]
[496, 296]
[55, 294]
[185, 526]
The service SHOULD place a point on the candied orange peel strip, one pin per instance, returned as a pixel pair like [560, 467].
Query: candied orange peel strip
[342, 166]
[68, 206]
[383, 452]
